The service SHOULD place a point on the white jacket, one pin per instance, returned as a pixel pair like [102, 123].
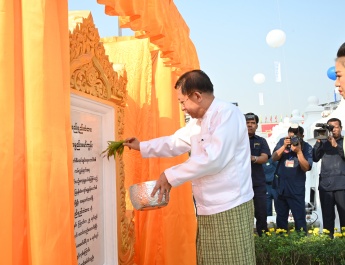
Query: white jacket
[219, 163]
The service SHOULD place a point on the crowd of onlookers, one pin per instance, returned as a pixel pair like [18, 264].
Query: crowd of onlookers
[281, 177]
[284, 172]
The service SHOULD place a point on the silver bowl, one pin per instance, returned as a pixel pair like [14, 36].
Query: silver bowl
[140, 195]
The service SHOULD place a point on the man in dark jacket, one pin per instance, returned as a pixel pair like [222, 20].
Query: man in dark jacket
[295, 159]
[260, 152]
[332, 175]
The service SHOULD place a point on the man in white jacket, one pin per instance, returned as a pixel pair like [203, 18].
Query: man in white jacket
[219, 167]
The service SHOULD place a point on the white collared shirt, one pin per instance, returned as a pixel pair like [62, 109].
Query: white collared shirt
[219, 165]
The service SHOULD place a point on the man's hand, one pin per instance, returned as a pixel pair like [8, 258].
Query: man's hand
[132, 143]
[278, 153]
[163, 186]
[332, 141]
[287, 141]
[297, 148]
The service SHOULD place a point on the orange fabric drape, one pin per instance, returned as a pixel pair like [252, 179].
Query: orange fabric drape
[179, 221]
[36, 191]
[161, 22]
[167, 235]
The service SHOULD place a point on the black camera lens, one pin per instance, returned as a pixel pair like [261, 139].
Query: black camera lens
[294, 140]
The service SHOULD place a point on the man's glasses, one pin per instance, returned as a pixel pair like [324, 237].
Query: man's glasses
[184, 101]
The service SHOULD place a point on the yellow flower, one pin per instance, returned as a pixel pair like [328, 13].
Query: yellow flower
[280, 231]
[325, 231]
[343, 228]
[271, 229]
[338, 235]
[268, 233]
[310, 231]
[335, 229]
[316, 231]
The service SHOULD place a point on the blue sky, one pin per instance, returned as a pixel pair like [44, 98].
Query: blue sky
[230, 39]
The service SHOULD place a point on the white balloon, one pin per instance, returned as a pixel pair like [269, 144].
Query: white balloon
[259, 78]
[275, 38]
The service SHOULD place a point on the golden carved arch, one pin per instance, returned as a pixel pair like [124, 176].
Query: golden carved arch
[92, 73]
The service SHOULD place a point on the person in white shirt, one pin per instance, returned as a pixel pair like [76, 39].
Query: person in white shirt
[219, 168]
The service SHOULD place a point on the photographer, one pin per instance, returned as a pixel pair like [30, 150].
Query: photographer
[295, 159]
[332, 175]
[260, 152]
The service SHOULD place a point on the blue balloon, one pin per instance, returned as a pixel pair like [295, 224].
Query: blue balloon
[331, 73]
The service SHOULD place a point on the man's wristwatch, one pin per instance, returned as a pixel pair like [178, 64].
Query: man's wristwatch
[255, 159]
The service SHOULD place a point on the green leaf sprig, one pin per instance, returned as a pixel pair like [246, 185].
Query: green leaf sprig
[114, 147]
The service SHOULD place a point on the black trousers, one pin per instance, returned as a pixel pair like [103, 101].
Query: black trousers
[297, 205]
[328, 200]
[260, 209]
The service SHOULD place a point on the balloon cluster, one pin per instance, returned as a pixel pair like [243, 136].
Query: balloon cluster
[275, 38]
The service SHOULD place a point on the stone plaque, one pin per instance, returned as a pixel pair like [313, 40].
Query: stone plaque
[94, 190]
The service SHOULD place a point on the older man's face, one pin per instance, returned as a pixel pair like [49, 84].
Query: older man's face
[340, 72]
[188, 103]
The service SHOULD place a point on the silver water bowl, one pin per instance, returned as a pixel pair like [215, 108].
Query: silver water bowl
[140, 195]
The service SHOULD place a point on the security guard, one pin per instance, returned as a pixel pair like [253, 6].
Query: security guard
[260, 152]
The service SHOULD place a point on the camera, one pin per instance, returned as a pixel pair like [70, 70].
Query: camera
[323, 132]
[294, 139]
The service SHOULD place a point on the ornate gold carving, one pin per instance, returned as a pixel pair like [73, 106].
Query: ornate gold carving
[91, 70]
[125, 218]
[93, 74]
